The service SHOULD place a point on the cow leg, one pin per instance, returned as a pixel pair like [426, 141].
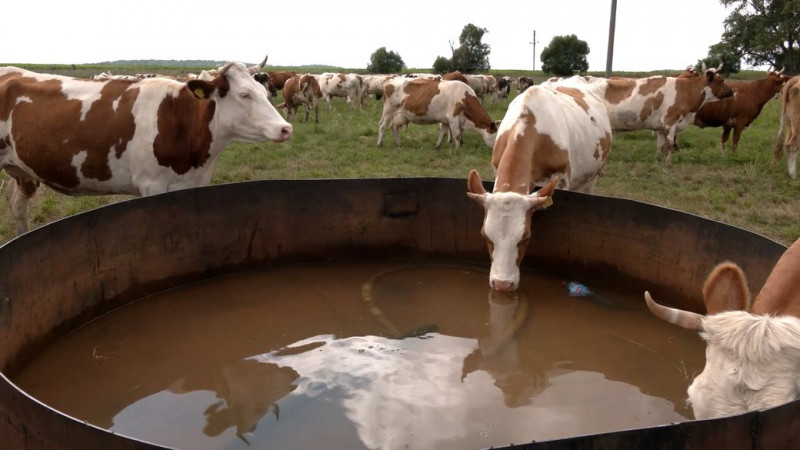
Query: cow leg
[726, 132]
[307, 110]
[791, 161]
[663, 145]
[737, 131]
[455, 131]
[442, 131]
[18, 195]
[381, 127]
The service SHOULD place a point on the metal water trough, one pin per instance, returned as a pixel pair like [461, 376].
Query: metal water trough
[64, 274]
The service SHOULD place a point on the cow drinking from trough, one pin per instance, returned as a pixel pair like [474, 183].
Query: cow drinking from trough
[452, 104]
[549, 132]
[138, 137]
[753, 348]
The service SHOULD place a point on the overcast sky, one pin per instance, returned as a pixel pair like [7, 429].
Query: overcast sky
[650, 34]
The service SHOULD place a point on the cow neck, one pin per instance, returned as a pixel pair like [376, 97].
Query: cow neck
[515, 167]
[691, 92]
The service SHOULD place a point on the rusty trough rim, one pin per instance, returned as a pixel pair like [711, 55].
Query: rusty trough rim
[27, 420]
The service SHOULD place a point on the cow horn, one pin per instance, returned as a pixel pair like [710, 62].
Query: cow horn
[225, 69]
[684, 319]
[782, 69]
[702, 65]
[720, 65]
[257, 68]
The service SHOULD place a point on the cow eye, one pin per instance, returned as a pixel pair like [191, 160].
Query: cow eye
[245, 95]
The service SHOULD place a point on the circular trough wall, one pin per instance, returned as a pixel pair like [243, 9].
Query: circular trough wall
[68, 272]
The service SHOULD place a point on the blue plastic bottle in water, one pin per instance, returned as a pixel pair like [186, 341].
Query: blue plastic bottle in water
[575, 289]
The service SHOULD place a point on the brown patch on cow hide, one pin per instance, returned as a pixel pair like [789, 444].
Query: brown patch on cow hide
[419, 94]
[650, 105]
[619, 89]
[603, 147]
[184, 139]
[576, 95]
[388, 90]
[653, 84]
[476, 113]
[48, 131]
[526, 158]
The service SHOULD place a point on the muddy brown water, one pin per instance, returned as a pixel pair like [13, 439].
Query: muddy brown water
[386, 355]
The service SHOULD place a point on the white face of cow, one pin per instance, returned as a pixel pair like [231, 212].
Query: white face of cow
[246, 112]
[752, 363]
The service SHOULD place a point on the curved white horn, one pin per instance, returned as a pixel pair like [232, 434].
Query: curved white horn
[684, 319]
[782, 69]
[720, 65]
[257, 68]
[702, 65]
[225, 68]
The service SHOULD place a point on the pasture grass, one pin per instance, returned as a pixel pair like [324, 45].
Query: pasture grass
[745, 189]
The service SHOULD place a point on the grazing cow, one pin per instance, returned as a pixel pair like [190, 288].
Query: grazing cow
[457, 76]
[662, 104]
[753, 349]
[738, 112]
[482, 85]
[143, 137]
[790, 122]
[301, 90]
[503, 86]
[373, 85]
[277, 80]
[549, 132]
[451, 103]
[524, 83]
[345, 85]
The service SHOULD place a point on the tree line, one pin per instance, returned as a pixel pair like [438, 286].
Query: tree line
[758, 32]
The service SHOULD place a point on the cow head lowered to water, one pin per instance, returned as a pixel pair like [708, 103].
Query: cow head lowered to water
[139, 137]
[507, 227]
[753, 349]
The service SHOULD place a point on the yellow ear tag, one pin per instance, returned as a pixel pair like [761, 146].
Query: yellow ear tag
[199, 93]
[547, 203]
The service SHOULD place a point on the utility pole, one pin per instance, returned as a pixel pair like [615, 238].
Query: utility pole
[611, 27]
[534, 49]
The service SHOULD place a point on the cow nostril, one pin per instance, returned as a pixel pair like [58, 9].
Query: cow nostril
[502, 285]
[286, 132]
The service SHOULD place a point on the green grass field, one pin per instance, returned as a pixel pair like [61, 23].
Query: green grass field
[745, 189]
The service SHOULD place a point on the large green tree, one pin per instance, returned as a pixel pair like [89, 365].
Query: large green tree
[383, 61]
[764, 32]
[471, 56]
[565, 55]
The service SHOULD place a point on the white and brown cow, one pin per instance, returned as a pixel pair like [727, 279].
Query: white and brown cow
[790, 125]
[345, 85]
[452, 104]
[139, 137]
[301, 90]
[665, 105]
[753, 348]
[549, 132]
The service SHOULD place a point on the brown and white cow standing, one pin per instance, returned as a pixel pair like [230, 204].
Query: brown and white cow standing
[139, 137]
[426, 102]
[789, 124]
[665, 105]
[301, 90]
[753, 348]
[550, 132]
[738, 112]
[277, 80]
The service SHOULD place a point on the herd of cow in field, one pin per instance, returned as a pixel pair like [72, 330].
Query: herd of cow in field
[147, 135]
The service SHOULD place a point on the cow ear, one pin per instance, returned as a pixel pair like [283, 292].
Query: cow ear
[726, 289]
[200, 89]
[475, 189]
